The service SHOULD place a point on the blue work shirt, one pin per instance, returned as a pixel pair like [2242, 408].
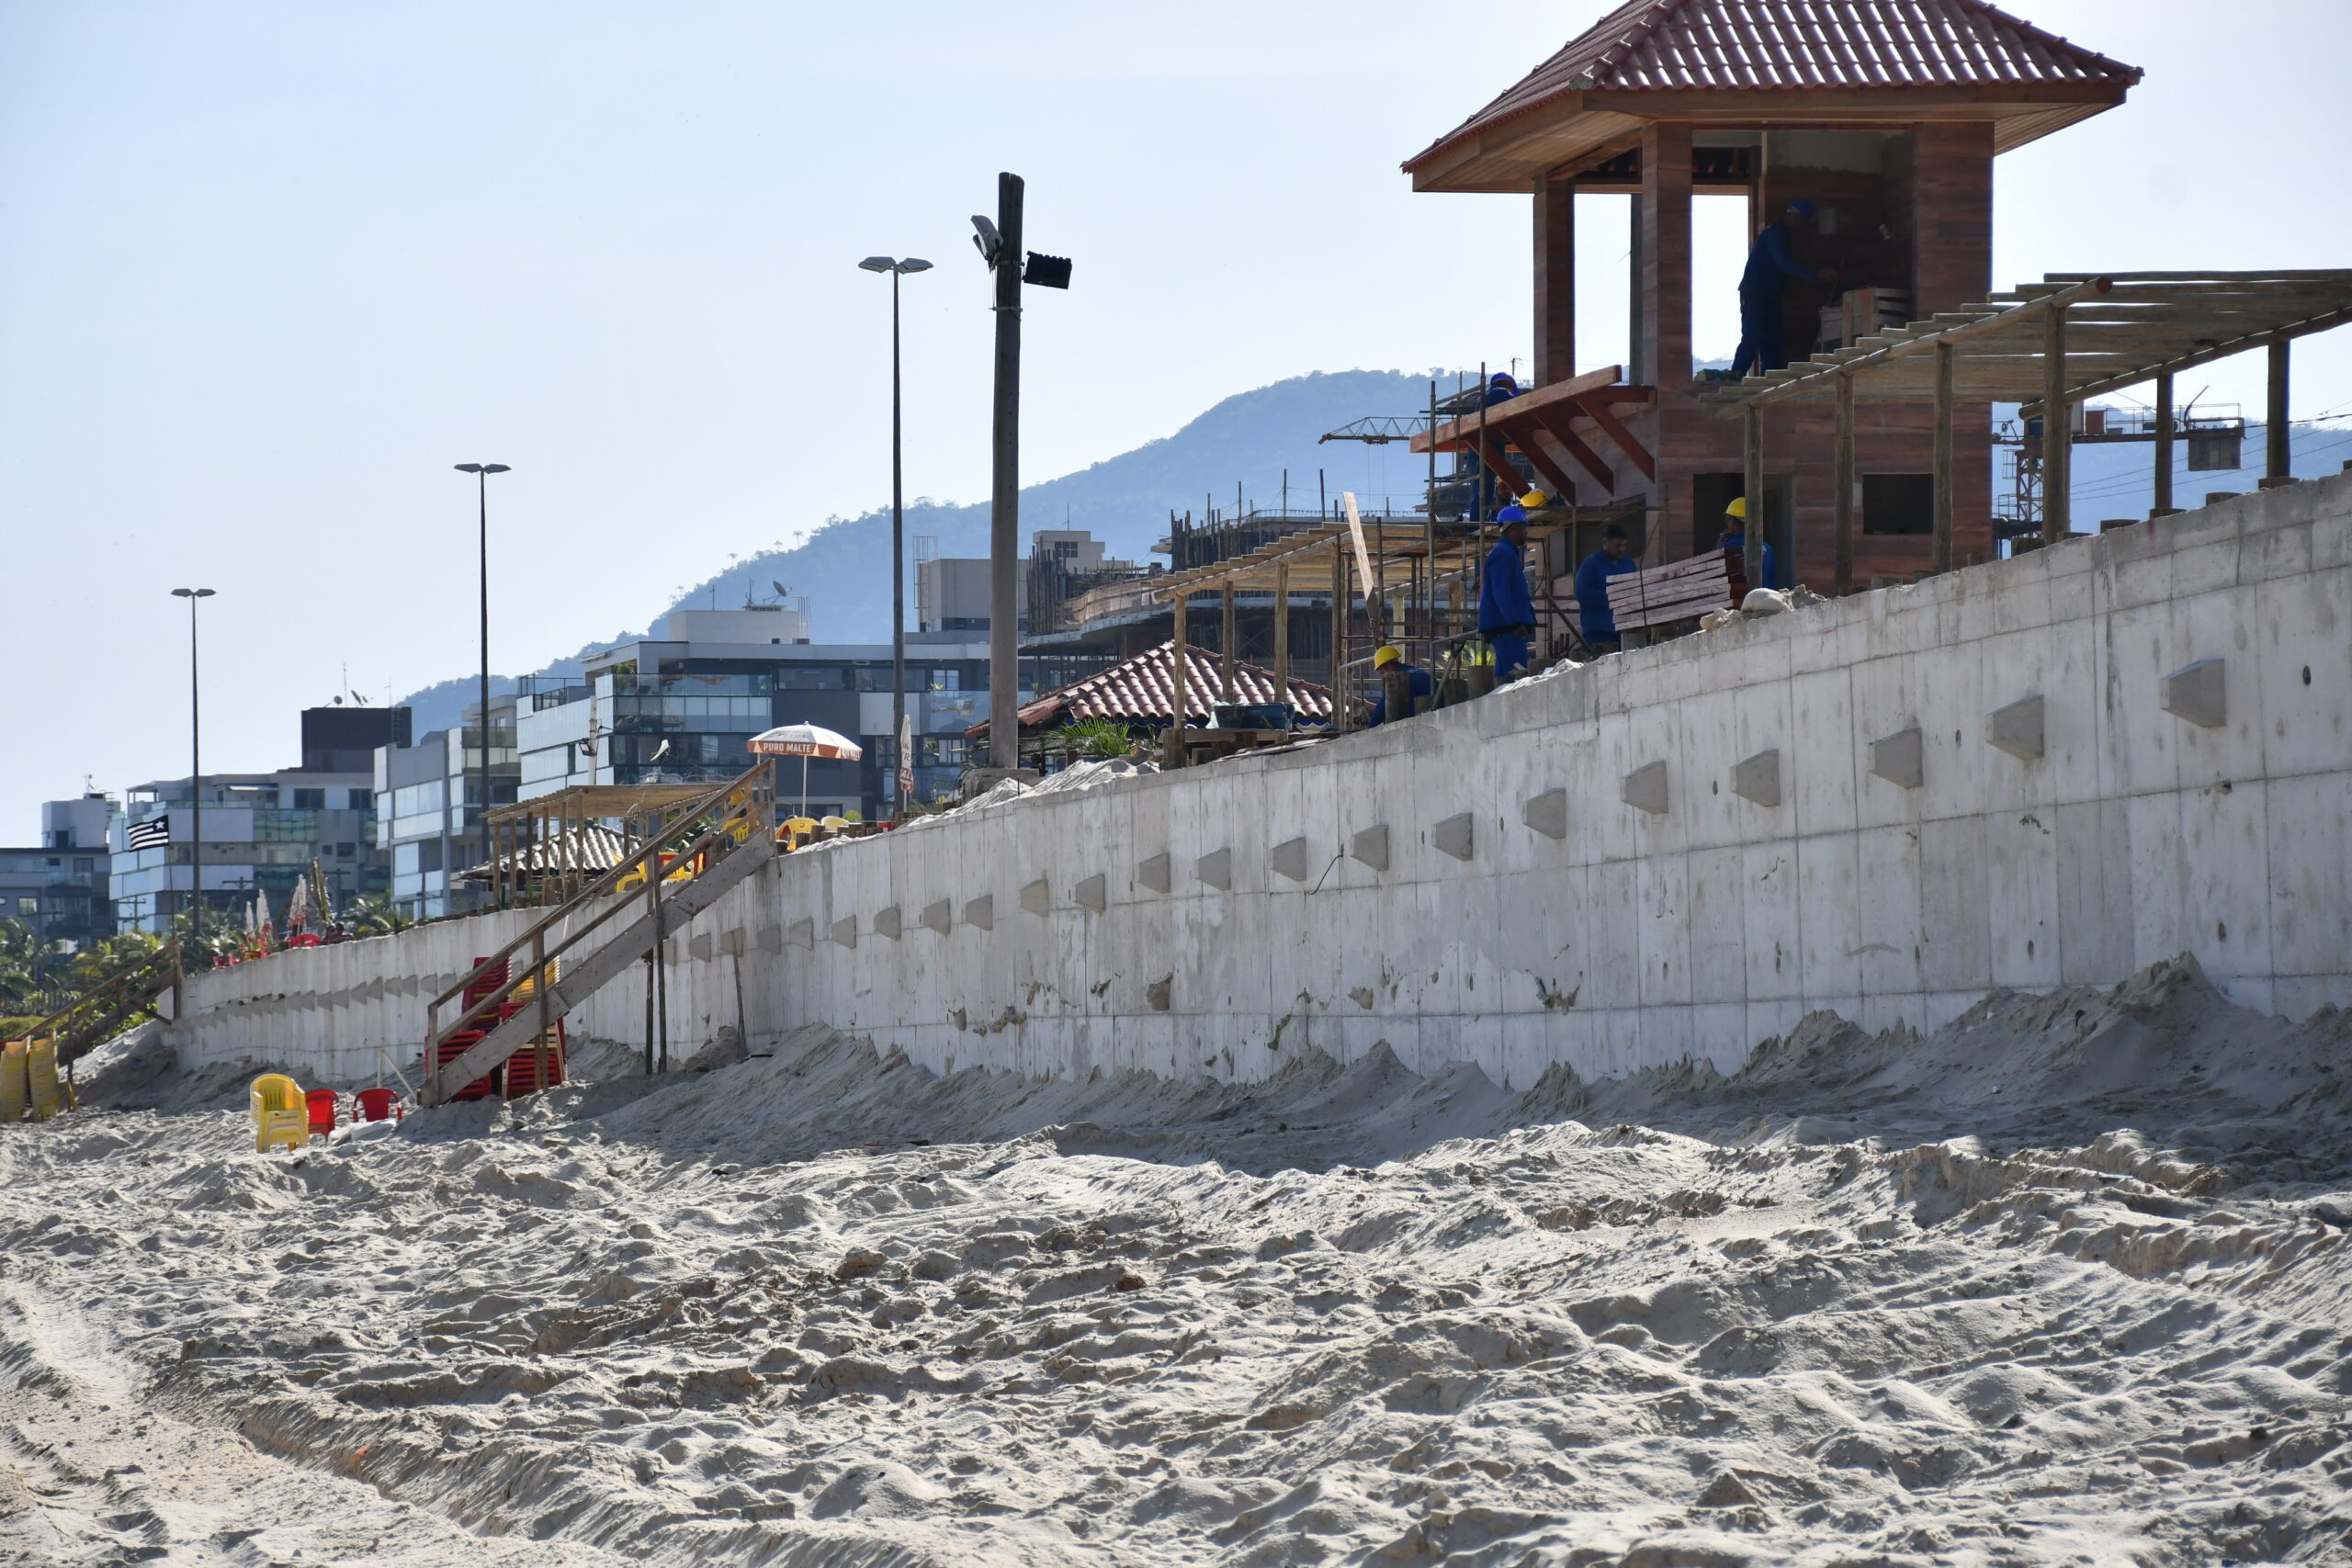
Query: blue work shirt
[1503, 601]
[1769, 266]
[1592, 594]
[1739, 542]
[1421, 688]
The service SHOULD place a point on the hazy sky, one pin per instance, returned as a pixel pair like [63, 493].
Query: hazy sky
[268, 270]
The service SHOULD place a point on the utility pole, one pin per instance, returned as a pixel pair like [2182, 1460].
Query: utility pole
[195, 772]
[1005, 507]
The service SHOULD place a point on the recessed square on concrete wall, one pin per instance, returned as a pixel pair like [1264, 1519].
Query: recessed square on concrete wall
[1371, 847]
[1547, 813]
[1643, 789]
[1216, 868]
[1092, 894]
[2196, 692]
[699, 947]
[1289, 859]
[1037, 897]
[1901, 758]
[2016, 729]
[1155, 872]
[885, 922]
[844, 931]
[982, 912]
[939, 917]
[1456, 836]
[1758, 778]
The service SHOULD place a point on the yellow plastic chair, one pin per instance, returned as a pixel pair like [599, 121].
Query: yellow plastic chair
[280, 1115]
[44, 1093]
[14, 1096]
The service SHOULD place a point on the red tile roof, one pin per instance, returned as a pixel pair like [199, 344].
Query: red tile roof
[1143, 691]
[1767, 45]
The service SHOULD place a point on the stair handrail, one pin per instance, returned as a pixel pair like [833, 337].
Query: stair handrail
[749, 793]
[133, 975]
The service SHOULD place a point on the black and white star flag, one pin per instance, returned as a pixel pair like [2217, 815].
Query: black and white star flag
[153, 834]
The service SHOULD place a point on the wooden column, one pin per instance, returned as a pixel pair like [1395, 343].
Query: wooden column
[1282, 631]
[1842, 563]
[1945, 355]
[2278, 464]
[2057, 433]
[1752, 557]
[1224, 649]
[1665, 254]
[1179, 704]
[1556, 279]
[2163, 507]
[1340, 632]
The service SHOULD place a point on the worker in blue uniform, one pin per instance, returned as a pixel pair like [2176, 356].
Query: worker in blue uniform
[1600, 626]
[1770, 264]
[1735, 538]
[1421, 686]
[1506, 608]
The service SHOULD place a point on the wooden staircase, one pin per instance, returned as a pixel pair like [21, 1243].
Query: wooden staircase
[517, 995]
[96, 1015]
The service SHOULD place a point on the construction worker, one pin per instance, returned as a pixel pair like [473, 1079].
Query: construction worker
[1770, 264]
[1735, 538]
[1592, 588]
[1506, 609]
[1390, 654]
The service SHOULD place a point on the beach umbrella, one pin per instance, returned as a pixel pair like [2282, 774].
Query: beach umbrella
[804, 741]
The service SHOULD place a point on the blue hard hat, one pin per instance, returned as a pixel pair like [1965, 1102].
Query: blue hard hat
[1802, 204]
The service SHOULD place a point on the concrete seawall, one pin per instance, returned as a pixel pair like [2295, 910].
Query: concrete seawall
[2038, 773]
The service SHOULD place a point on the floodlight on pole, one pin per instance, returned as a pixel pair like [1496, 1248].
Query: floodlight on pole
[481, 472]
[903, 768]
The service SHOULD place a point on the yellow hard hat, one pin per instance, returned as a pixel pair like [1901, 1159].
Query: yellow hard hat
[1534, 498]
[1387, 653]
[1737, 509]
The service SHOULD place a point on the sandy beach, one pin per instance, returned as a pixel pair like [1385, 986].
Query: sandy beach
[2066, 1282]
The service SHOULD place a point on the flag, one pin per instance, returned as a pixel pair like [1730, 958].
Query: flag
[154, 833]
[906, 761]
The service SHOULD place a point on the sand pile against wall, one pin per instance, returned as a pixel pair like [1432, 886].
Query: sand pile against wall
[2066, 1281]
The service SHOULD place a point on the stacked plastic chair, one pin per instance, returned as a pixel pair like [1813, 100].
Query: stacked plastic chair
[539, 1064]
[279, 1114]
[464, 1040]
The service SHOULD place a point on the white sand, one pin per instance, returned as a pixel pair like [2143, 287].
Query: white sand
[2065, 1283]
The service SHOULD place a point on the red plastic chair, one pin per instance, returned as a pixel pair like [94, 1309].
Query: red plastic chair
[379, 1105]
[321, 1104]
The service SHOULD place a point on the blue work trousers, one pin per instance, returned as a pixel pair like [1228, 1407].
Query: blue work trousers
[1510, 654]
[1760, 348]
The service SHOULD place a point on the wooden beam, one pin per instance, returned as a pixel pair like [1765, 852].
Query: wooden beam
[1176, 676]
[1556, 279]
[2279, 465]
[1282, 631]
[2164, 506]
[1224, 649]
[1562, 484]
[1340, 633]
[1556, 423]
[1945, 354]
[1751, 555]
[2057, 469]
[1843, 563]
[1462, 428]
[1597, 410]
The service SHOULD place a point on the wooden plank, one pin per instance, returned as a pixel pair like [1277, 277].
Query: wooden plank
[1556, 423]
[2057, 472]
[1556, 476]
[1940, 558]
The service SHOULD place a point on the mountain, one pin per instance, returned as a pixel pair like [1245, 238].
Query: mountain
[1251, 437]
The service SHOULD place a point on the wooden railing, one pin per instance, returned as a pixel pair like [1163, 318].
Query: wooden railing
[90, 1018]
[704, 834]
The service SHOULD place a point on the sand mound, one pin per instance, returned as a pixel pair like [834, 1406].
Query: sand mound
[2066, 1281]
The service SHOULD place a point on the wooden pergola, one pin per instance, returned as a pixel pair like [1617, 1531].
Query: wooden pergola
[550, 847]
[2049, 346]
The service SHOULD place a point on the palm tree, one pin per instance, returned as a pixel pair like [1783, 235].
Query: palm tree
[378, 915]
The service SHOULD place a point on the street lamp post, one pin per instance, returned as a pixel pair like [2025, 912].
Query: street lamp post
[904, 766]
[195, 767]
[481, 472]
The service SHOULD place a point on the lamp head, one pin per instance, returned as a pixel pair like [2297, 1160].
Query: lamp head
[914, 263]
[191, 592]
[986, 239]
[877, 263]
[483, 469]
